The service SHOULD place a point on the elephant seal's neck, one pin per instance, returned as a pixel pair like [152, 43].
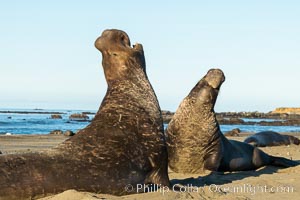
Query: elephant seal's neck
[129, 99]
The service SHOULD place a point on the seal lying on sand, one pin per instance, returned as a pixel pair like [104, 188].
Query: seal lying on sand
[124, 144]
[195, 141]
[271, 138]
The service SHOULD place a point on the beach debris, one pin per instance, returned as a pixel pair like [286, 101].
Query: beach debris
[56, 132]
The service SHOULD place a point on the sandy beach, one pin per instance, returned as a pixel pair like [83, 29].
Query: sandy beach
[264, 183]
[28, 143]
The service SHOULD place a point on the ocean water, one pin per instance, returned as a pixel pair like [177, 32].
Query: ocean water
[261, 119]
[42, 124]
[256, 128]
[39, 123]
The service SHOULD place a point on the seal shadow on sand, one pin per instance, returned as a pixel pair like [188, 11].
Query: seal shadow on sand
[220, 178]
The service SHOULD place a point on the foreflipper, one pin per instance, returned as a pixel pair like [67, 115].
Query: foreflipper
[159, 174]
[158, 177]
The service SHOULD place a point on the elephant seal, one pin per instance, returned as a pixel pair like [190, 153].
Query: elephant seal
[124, 145]
[271, 138]
[194, 139]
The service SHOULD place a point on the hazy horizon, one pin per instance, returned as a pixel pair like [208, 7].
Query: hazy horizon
[49, 60]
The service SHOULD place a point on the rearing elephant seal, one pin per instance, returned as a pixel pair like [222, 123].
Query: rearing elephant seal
[271, 138]
[195, 141]
[124, 144]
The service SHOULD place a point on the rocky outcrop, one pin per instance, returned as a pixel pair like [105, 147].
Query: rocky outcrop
[229, 121]
[236, 118]
[79, 117]
[167, 115]
[255, 115]
[56, 116]
[287, 110]
[89, 113]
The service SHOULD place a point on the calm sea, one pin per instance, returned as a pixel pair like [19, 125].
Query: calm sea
[39, 123]
[42, 124]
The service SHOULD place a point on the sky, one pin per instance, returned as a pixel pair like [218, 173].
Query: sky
[48, 59]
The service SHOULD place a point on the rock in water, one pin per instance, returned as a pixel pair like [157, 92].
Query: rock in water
[195, 142]
[56, 116]
[124, 144]
[79, 117]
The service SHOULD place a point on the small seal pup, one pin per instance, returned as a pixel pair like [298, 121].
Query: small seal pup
[123, 146]
[271, 138]
[194, 139]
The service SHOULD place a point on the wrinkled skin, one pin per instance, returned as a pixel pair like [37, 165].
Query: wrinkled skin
[195, 142]
[124, 144]
[270, 138]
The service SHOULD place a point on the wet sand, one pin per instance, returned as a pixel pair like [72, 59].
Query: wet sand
[264, 183]
[29, 143]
